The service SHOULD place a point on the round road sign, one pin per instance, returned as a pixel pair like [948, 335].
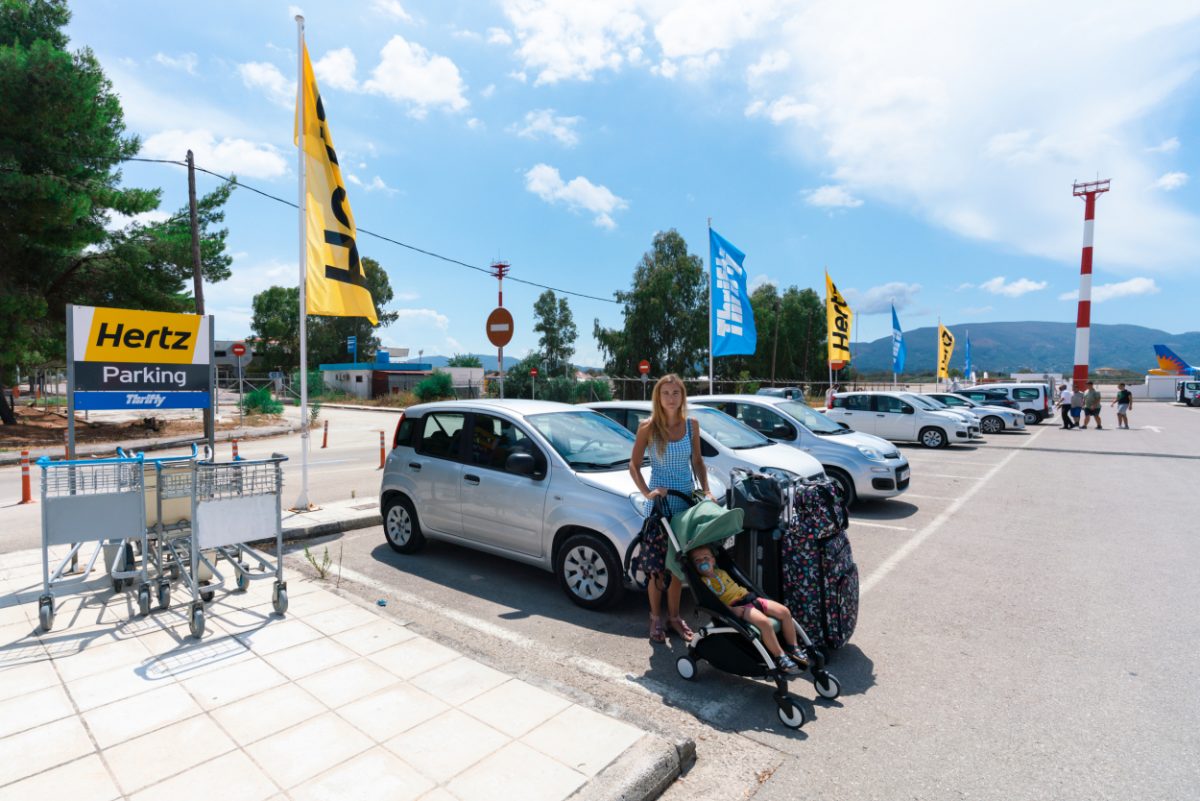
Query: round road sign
[238, 349]
[533, 371]
[643, 367]
[836, 365]
[500, 327]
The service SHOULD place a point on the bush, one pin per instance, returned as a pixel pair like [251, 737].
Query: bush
[259, 401]
[437, 386]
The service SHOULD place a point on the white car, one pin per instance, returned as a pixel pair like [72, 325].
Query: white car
[724, 442]
[937, 406]
[888, 415]
[992, 419]
[1034, 399]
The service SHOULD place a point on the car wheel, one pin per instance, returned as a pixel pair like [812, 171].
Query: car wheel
[589, 572]
[400, 526]
[991, 425]
[845, 482]
[933, 438]
[1031, 418]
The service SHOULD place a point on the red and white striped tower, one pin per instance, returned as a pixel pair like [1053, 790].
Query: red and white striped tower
[1083, 323]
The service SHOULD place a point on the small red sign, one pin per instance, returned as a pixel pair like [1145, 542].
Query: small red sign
[643, 367]
[835, 365]
[238, 349]
[500, 327]
[533, 372]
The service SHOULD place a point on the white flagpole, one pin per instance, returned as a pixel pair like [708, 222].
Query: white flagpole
[710, 309]
[302, 503]
[830, 363]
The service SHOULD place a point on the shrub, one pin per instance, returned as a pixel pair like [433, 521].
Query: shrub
[259, 401]
[436, 386]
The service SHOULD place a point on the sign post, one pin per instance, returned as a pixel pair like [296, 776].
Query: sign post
[499, 333]
[352, 344]
[533, 375]
[644, 369]
[239, 350]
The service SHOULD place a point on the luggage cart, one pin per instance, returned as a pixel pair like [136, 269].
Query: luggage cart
[93, 500]
[233, 503]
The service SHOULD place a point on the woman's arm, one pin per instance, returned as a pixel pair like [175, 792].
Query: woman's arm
[698, 460]
[635, 461]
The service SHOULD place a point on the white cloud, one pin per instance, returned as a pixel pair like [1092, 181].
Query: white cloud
[374, 185]
[498, 36]
[770, 63]
[423, 317]
[229, 301]
[117, 221]
[1123, 289]
[336, 68]
[879, 299]
[466, 34]
[761, 279]
[1012, 289]
[700, 27]
[408, 73]
[487, 91]
[577, 194]
[1165, 146]
[567, 40]
[186, 62]
[1171, 181]
[784, 109]
[832, 197]
[544, 121]
[226, 155]
[268, 79]
[475, 124]
[392, 8]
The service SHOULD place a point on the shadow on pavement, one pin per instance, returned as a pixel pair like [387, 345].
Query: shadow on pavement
[892, 509]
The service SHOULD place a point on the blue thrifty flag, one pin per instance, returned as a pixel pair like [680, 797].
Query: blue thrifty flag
[898, 349]
[732, 320]
[967, 371]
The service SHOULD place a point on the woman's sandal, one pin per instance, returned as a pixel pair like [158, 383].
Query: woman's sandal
[657, 633]
[681, 627]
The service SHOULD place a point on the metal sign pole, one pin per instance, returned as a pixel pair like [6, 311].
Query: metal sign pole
[241, 391]
[70, 381]
[210, 420]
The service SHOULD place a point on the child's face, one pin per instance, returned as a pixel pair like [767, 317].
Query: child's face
[703, 561]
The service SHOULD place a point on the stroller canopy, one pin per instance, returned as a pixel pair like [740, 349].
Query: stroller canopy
[704, 523]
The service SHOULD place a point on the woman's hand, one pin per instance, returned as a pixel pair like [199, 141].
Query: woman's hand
[708, 494]
[660, 492]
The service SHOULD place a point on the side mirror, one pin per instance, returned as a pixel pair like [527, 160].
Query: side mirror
[843, 425]
[521, 463]
[909, 410]
[780, 432]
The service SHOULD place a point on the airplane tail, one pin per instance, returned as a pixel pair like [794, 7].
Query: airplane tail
[1170, 363]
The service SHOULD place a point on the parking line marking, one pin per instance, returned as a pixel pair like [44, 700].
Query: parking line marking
[854, 521]
[914, 542]
[925, 497]
[948, 475]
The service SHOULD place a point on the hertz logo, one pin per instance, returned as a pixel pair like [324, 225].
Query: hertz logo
[128, 335]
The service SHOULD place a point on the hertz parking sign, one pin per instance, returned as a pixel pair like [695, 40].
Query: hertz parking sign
[131, 359]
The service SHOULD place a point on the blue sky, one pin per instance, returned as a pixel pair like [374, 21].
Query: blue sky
[920, 152]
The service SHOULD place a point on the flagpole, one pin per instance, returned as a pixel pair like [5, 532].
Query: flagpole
[827, 361]
[937, 366]
[710, 309]
[302, 503]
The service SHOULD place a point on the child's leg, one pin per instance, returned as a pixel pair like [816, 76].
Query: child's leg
[752, 615]
[784, 616]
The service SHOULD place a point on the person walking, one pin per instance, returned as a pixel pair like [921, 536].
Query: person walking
[1064, 404]
[829, 393]
[1123, 402]
[672, 441]
[1076, 407]
[1091, 406]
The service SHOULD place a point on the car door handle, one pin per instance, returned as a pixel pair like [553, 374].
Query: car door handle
[415, 466]
[471, 479]
[879, 414]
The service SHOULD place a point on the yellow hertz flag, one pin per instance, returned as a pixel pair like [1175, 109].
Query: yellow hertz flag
[945, 351]
[335, 283]
[838, 316]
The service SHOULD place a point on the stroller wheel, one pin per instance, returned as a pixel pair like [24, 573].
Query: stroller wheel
[790, 713]
[686, 667]
[827, 685]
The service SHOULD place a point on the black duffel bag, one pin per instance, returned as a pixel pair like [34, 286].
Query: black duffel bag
[760, 497]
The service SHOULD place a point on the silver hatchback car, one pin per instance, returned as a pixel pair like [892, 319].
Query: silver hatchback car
[539, 482]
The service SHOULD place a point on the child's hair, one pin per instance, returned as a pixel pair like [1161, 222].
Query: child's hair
[659, 436]
[692, 554]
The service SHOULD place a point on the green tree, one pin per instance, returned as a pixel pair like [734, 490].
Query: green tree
[275, 322]
[556, 326]
[464, 360]
[665, 314]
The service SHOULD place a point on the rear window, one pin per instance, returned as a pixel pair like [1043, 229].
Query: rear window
[1026, 393]
[855, 403]
[403, 435]
[441, 434]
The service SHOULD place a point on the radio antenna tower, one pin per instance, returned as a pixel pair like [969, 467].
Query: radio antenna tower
[1083, 323]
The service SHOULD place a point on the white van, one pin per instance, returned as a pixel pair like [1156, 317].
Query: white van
[1036, 400]
[1187, 391]
[890, 416]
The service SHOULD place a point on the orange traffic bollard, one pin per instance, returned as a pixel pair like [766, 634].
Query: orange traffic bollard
[235, 456]
[382, 453]
[26, 493]
[325, 436]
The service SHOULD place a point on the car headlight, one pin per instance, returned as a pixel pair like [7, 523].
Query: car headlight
[780, 474]
[638, 500]
[870, 453]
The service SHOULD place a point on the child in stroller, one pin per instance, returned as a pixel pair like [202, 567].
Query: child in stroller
[753, 609]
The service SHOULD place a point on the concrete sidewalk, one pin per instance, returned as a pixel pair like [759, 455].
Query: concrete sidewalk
[150, 443]
[335, 700]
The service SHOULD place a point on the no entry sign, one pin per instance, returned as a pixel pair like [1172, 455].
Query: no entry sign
[238, 349]
[643, 367]
[500, 327]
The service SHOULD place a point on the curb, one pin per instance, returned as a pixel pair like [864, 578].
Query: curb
[353, 408]
[104, 448]
[642, 773]
[308, 532]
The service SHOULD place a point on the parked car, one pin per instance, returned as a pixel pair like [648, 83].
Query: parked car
[866, 466]
[1187, 391]
[992, 419]
[932, 405]
[988, 397]
[795, 393]
[725, 443]
[1036, 400]
[888, 415]
[539, 482]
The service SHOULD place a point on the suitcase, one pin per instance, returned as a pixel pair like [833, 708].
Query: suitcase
[758, 555]
[820, 578]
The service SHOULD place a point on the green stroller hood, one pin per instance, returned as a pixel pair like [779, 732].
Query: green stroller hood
[704, 523]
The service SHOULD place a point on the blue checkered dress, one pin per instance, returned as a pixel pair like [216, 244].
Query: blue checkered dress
[671, 470]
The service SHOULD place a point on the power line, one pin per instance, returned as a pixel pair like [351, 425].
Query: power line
[379, 236]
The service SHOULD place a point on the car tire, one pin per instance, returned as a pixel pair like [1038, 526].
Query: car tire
[400, 526]
[1031, 418]
[933, 437]
[991, 425]
[845, 482]
[589, 571]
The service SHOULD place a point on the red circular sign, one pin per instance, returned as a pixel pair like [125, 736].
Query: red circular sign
[533, 372]
[238, 349]
[836, 365]
[500, 327]
[643, 367]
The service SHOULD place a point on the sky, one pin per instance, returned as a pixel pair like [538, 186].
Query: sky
[924, 153]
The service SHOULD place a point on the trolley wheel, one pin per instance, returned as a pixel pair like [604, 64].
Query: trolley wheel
[243, 576]
[207, 595]
[164, 595]
[280, 599]
[686, 667]
[143, 599]
[118, 585]
[827, 685]
[196, 622]
[46, 612]
[790, 712]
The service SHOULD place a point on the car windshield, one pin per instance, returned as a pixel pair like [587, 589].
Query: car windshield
[811, 419]
[955, 400]
[923, 402]
[727, 431]
[587, 440]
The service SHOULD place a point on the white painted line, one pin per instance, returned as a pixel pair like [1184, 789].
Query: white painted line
[948, 475]
[856, 522]
[925, 497]
[914, 542]
[965, 461]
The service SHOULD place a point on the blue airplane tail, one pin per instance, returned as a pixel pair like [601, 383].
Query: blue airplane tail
[1171, 362]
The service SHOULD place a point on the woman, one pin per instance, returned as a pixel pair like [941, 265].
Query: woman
[672, 440]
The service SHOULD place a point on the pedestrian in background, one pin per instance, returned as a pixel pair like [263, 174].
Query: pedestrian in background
[1123, 402]
[1064, 404]
[1076, 407]
[1091, 405]
[829, 393]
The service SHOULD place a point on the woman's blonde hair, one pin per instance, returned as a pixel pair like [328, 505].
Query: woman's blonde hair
[659, 435]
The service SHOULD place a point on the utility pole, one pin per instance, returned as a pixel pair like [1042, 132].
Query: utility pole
[775, 347]
[198, 290]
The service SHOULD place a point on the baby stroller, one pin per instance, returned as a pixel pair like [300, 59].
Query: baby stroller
[727, 642]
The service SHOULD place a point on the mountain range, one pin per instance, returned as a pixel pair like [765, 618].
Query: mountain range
[1028, 347]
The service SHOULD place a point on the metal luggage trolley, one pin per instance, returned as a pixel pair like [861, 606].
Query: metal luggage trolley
[93, 500]
[233, 503]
